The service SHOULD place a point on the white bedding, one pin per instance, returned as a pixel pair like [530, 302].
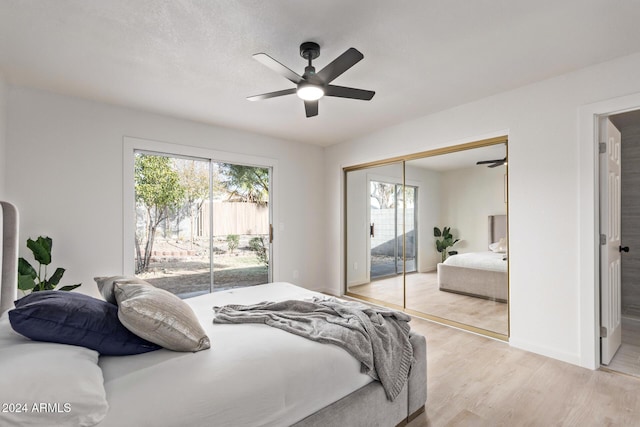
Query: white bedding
[253, 375]
[491, 261]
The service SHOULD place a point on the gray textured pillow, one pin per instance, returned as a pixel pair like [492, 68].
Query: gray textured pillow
[105, 285]
[160, 317]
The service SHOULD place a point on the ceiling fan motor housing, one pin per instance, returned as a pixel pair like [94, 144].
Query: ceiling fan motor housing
[309, 50]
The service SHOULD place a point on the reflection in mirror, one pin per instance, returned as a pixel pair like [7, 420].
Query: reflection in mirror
[375, 245]
[463, 278]
[467, 281]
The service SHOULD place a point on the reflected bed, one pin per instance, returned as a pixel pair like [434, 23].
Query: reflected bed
[479, 274]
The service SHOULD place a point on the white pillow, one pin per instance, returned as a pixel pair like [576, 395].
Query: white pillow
[500, 246]
[47, 383]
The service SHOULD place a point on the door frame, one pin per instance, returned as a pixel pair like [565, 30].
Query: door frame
[589, 117]
[132, 144]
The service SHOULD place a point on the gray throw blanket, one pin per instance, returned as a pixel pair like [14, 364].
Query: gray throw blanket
[378, 338]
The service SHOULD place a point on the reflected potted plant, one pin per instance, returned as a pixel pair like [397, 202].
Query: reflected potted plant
[30, 279]
[446, 241]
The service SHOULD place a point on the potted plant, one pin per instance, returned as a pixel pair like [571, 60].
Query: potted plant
[36, 280]
[445, 242]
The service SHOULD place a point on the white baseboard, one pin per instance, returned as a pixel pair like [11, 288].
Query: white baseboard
[572, 358]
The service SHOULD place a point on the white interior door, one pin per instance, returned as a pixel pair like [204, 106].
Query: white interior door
[610, 276]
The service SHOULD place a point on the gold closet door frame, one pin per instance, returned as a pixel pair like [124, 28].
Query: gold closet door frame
[403, 160]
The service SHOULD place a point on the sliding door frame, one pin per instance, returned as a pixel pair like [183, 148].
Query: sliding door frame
[132, 145]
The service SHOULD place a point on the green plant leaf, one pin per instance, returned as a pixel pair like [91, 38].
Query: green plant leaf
[69, 287]
[436, 232]
[46, 242]
[453, 252]
[48, 286]
[25, 282]
[25, 269]
[55, 278]
[41, 249]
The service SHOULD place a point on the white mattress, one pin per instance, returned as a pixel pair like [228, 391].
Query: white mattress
[491, 261]
[253, 375]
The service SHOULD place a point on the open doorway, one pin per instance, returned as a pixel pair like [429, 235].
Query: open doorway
[620, 308]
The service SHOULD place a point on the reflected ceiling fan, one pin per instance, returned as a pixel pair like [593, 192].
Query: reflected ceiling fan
[493, 163]
[312, 86]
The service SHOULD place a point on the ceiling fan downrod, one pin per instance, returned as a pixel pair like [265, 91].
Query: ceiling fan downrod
[309, 51]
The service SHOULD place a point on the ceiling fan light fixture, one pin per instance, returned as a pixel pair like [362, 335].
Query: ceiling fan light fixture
[309, 92]
[312, 86]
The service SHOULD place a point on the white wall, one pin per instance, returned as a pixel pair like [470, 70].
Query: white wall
[64, 171]
[3, 135]
[429, 196]
[358, 227]
[469, 196]
[544, 150]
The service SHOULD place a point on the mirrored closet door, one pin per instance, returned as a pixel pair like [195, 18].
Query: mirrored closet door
[428, 234]
[375, 233]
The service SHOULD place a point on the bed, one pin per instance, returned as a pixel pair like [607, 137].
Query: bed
[479, 274]
[252, 375]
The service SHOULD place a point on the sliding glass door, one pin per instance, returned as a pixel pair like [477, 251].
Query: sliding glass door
[392, 215]
[201, 225]
[375, 233]
[386, 250]
[241, 225]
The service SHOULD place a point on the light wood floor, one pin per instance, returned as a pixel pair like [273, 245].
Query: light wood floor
[476, 381]
[627, 358]
[424, 296]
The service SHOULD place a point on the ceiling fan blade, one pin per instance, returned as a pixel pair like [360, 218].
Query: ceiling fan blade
[486, 162]
[339, 65]
[349, 92]
[272, 94]
[284, 71]
[495, 165]
[311, 108]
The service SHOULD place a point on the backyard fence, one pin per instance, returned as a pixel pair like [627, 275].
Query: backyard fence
[233, 218]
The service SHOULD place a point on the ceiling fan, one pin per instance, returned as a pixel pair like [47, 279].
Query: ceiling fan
[312, 86]
[493, 163]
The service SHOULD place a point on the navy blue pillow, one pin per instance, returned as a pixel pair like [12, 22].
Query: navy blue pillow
[74, 318]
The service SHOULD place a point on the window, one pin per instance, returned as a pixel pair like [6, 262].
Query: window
[198, 225]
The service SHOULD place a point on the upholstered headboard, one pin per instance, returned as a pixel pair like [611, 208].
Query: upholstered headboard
[9, 255]
[497, 228]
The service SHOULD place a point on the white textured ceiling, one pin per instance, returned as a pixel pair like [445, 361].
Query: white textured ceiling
[192, 59]
[460, 159]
